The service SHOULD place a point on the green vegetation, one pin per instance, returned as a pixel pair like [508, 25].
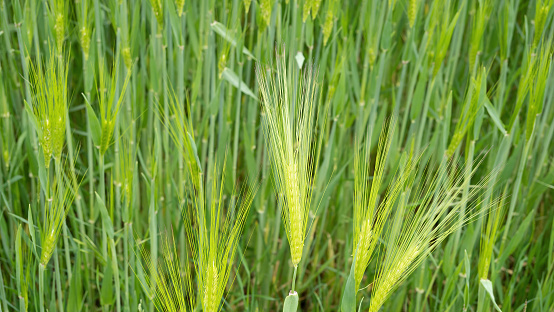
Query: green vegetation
[276, 155]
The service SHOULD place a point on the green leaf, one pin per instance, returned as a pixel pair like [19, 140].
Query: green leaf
[95, 128]
[348, 303]
[517, 237]
[291, 302]
[487, 284]
[195, 151]
[221, 30]
[468, 275]
[300, 59]
[230, 76]
[494, 116]
[75, 299]
[32, 229]
[107, 293]
[106, 220]
[42, 172]
[33, 117]
[417, 102]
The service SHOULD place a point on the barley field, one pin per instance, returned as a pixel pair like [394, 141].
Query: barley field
[276, 155]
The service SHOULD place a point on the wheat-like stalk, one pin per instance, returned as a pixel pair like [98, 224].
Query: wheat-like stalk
[177, 123]
[289, 113]
[59, 18]
[490, 229]
[370, 215]
[170, 281]
[158, 10]
[418, 228]
[214, 229]
[49, 106]
[109, 106]
[56, 210]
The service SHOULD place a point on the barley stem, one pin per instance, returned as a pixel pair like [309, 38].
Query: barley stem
[41, 286]
[294, 278]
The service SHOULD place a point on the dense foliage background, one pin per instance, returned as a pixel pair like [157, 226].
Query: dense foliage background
[461, 78]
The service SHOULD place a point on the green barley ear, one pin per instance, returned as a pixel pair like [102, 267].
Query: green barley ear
[179, 4]
[289, 113]
[158, 10]
[109, 108]
[370, 215]
[490, 229]
[445, 31]
[180, 128]
[542, 9]
[214, 229]
[426, 214]
[475, 99]
[58, 17]
[306, 10]
[413, 7]
[310, 6]
[525, 82]
[56, 209]
[169, 280]
[480, 20]
[247, 4]
[50, 105]
[266, 6]
[329, 21]
[85, 26]
[536, 98]
[315, 8]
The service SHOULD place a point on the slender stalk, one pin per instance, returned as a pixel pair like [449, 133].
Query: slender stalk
[294, 278]
[41, 286]
[58, 281]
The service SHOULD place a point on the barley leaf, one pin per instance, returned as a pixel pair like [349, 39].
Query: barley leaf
[75, 294]
[32, 229]
[107, 294]
[487, 284]
[494, 116]
[348, 303]
[232, 78]
[106, 221]
[517, 237]
[96, 130]
[221, 30]
[291, 302]
[467, 278]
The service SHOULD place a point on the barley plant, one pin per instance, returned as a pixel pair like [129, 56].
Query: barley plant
[276, 155]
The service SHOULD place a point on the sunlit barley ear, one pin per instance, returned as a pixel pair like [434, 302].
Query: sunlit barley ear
[49, 105]
[424, 217]
[170, 280]
[57, 207]
[179, 5]
[58, 18]
[289, 111]
[127, 159]
[158, 11]
[214, 226]
[177, 123]
[490, 228]
[370, 213]
[109, 108]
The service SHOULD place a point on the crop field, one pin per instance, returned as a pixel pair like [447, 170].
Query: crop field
[277, 155]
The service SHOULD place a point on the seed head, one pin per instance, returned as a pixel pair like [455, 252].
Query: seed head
[288, 123]
[50, 105]
[214, 229]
